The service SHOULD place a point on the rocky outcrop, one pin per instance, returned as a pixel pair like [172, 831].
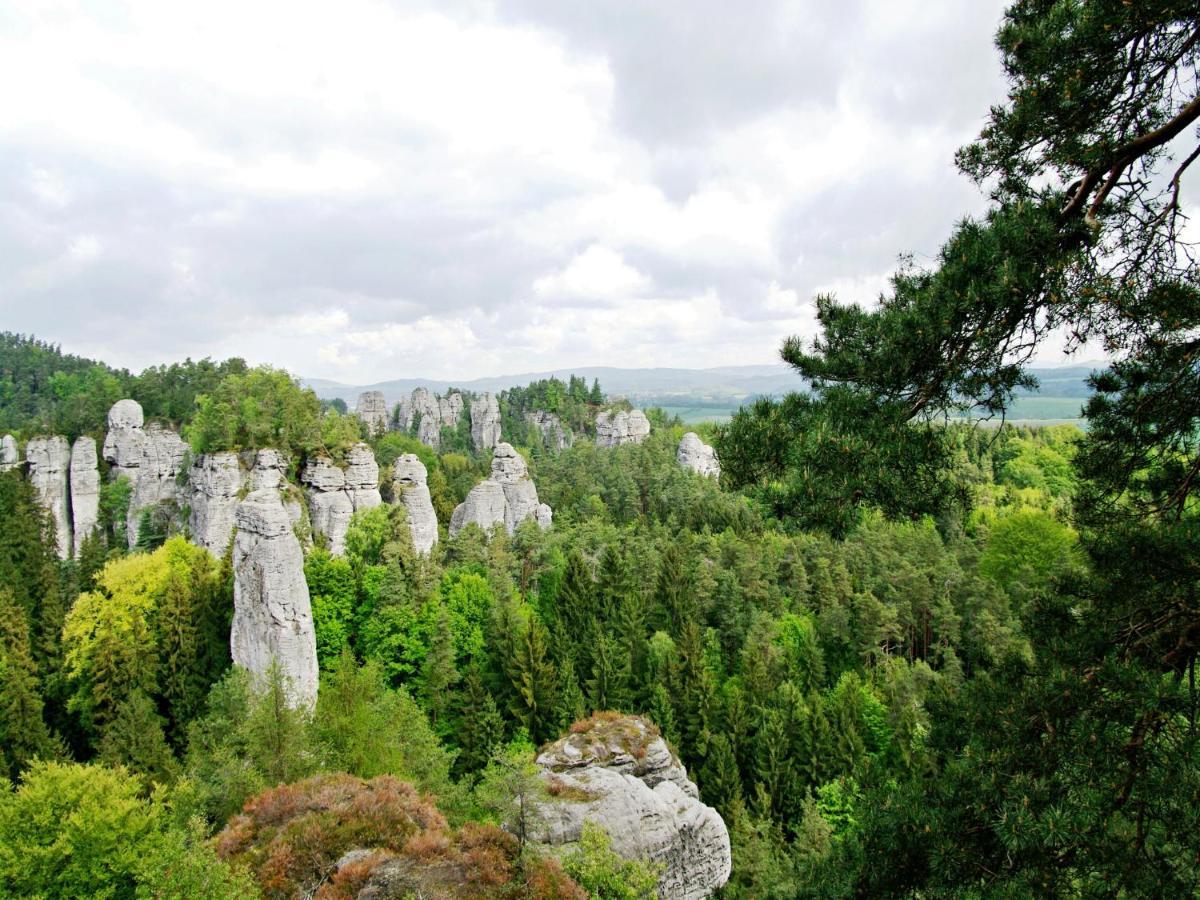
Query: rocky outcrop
[698, 456]
[372, 411]
[163, 457]
[410, 487]
[85, 489]
[214, 480]
[617, 772]
[10, 456]
[123, 442]
[616, 429]
[554, 435]
[150, 457]
[49, 461]
[272, 613]
[427, 414]
[485, 422]
[507, 497]
[335, 494]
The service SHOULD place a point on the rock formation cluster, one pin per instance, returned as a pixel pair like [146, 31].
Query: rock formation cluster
[372, 411]
[616, 429]
[507, 497]
[85, 489]
[698, 456]
[49, 462]
[410, 487]
[555, 436]
[619, 773]
[485, 421]
[335, 493]
[272, 612]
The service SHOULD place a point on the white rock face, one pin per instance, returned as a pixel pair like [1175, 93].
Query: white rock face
[123, 442]
[163, 456]
[10, 457]
[410, 486]
[372, 411]
[698, 456]
[615, 429]
[431, 413]
[485, 422]
[335, 494]
[49, 460]
[640, 794]
[507, 497]
[555, 436]
[214, 480]
[85, 489]
[272, 613]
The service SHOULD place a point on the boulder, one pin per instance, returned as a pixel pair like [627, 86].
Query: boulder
[214, 481]
[410, 486]
[554, 435]
[698, 456]
[49, 461]
[617, 772]
[372, 411]
[10, 456]
[485, 422]
[507, 497]
[272, 613]
[85, 489]
[616, 429]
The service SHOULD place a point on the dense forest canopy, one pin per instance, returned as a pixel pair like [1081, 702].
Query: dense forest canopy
[900, 655]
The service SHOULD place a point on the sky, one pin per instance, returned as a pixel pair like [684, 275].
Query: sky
[371, 190]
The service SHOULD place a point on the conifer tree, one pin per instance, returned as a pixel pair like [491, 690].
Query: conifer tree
[720, 780]
[439, 675]
[482, 728]
[135, 738]
[534, 680]
[23, 731]
[570, 705]
[608, 684]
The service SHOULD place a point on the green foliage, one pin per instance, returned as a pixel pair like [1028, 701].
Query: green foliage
[1028, 544]
[604, 874]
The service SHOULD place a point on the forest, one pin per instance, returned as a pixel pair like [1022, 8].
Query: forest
[899, 652]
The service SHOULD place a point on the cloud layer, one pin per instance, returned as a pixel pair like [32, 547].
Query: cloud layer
[368, 190]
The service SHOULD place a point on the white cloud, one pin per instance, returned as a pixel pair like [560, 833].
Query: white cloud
[596, 273]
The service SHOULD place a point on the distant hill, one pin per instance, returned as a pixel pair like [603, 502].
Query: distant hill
[713, 394]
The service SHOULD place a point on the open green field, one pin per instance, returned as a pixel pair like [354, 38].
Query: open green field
[693, 414]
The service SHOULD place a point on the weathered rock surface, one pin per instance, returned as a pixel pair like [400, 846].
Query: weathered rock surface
[508, 496]
[619, 774]
[163, 456]
[214, 481]
[430, 413]
[10, 456]
[123, 442]
[49, 461]
[410, 486]
[485, 422]
[698, 456]
[272, 613]
[615, 429]
[269, 470]
[555, 436]
[335, 494]
[85, 489]
[372, 411]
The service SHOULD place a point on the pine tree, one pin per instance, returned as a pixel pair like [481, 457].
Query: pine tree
[720, 780]
[662, 713]
[631, 630]
[534, 681]
[570, 705]
[694, 691]
[481, 729]
[135, 738]
[576, 607]
[439, 675]
[23, 731]
[675, 601]
[178, 649]
[597, 396]
[277, 729]
[608, 684]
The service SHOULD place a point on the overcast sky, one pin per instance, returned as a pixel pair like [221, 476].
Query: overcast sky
[367, 190]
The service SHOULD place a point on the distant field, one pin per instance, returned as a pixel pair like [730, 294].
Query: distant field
[1025, 411]
[693, 414]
